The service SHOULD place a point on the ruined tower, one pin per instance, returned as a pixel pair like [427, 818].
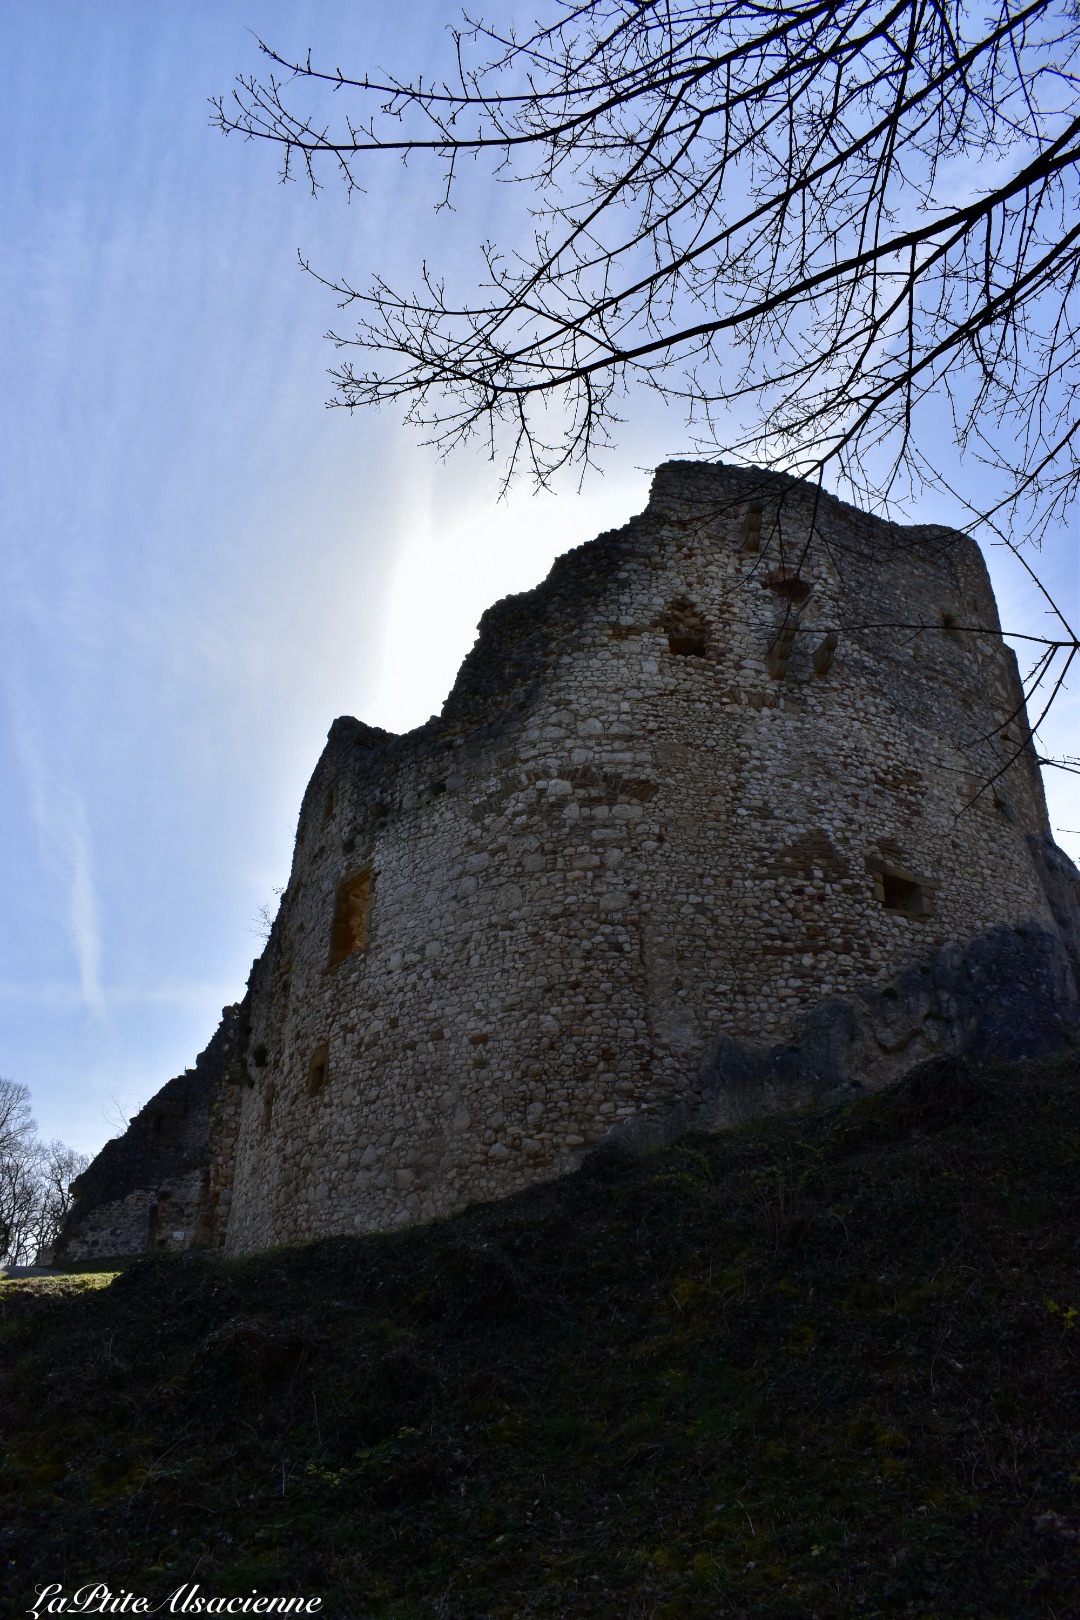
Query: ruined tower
[735, 811]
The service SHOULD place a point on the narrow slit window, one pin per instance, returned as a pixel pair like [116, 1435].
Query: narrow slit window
[318, 1069]
[350, 918]
[158, 1213]
[750, 532]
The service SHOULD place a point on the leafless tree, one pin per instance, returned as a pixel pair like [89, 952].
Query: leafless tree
[58, 1166]
[263, 921]
[842, 235]
[35, 1180]
[849, 212]
[18, 1141]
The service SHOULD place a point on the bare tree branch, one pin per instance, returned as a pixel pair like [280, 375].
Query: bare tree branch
[837, 225]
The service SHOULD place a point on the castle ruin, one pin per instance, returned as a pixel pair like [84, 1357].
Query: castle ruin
[737, 811]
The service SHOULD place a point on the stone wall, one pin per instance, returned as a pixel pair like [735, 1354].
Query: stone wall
[753, 754]
[166, 1182]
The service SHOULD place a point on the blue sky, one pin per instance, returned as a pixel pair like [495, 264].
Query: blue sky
[202, 566]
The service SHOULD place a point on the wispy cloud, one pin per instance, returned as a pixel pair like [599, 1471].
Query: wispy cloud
[63, 835]
[194, 993]
[83, 916]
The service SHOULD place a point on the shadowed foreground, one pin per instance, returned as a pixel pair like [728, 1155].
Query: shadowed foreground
[825, 1366]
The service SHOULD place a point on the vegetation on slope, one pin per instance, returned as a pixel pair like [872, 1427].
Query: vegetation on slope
[824, 1366]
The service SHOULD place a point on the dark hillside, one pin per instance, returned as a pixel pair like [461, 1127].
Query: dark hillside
[823, 1367]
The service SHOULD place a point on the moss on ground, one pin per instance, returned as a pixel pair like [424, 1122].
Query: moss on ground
[824, 1366]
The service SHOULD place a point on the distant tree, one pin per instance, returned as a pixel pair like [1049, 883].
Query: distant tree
[58, 1166]
[851, 225]
[35, 1180]
[18, 1184]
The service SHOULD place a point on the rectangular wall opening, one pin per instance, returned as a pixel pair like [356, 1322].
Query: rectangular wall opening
[687, 631]
[351, 908]
[318, 1069]
[899, 890]
[903, 895]
[902, 892]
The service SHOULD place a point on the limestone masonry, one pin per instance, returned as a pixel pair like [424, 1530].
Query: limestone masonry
[736, 811]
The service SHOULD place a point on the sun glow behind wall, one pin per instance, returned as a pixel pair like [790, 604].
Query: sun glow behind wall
[198, 559]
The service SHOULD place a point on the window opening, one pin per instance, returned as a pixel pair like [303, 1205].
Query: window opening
[790, 584]
[318, 1069]
[824, 653]
[782, 647]
[350, 918]
[750, 532]
[1003, 804]
[157, 1213]
[687, 631]
[950, 624]
[902, 892]
[903, 895]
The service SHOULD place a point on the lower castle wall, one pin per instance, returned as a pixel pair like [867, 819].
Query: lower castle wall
[166, 1183]
[167, 1217]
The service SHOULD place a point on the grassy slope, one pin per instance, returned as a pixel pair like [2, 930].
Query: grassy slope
[825, 1366]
